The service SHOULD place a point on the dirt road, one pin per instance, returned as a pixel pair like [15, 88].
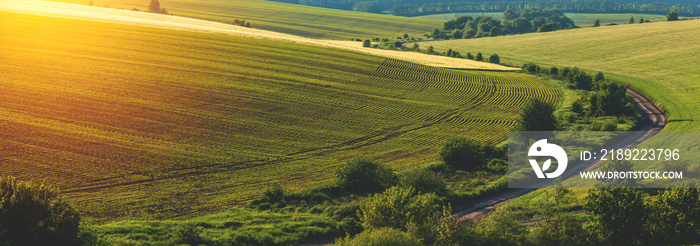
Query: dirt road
[655, 120]
[74, 11]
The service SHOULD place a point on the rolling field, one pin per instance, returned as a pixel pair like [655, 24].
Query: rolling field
[137, 122]
[293, 19]
[581, 19]
[660, 59]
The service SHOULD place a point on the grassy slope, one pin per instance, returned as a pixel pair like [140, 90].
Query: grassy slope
[659, 58]
[135, 122]
[581, 19]
[287, 18]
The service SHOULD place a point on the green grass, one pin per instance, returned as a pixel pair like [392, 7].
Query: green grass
[236, 225]
[660, 59]
[294, 19]
[581, 19]
[144, 123]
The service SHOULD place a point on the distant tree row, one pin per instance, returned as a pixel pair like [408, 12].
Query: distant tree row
[592, 6]
[514, 22]
[238, 22]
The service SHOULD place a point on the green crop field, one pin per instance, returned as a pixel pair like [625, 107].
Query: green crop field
[136, 122]
[294, 19]
[660, 59]
[581, 19]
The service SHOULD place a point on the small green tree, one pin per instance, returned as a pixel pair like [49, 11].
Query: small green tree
[493, 32]
[430, 50]
[416, 47]
[672, 16]
[537, 115]
[494, 59]
[548, 27]
[479, 57]
[631, 21]
[436, 33]
[470, 56]
[596, 23]
[35, 214]
[366, 43]
[554, 71]
[363, 175]
[583, 81]
[641, 20]
[599, 77]
[449, 52]
[462, 153]
[405, 35]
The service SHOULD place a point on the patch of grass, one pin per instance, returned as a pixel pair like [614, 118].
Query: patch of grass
[294, 19]
[144, 123]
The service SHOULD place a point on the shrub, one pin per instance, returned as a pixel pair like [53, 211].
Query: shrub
[381, 236]
[34, 214]
[462, 153]
[494, 59]
[424, 181]
[189, 234]
[577, 107]
[596, 23]
[363, 175]
[401, 209]
[366, 43]
[599, 77]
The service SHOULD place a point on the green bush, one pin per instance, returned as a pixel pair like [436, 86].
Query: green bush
[381, 236]
[402, 209]
[494, 59]
[34, 214]
[462, 153]
[365, 175]
[537, 115]
[424, 181]
[189, 234]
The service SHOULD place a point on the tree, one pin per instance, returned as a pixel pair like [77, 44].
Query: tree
[479, 57]
[462, 153]
[641, 20]
[493, 32]
[599, 77]
[405, 35]
[596, 23]
[430, 50]
[35, 214]
[672, 16]
[449, 52]
[470, 56]
[416, 47]
[537, 115]
[631, 21]
[619, 215]
[365, 175]
[583, 81]
[676, 216]
[154, 7]
[554, 71]
[436, 33]
[456, 34]
[366, 43]
[494, 59]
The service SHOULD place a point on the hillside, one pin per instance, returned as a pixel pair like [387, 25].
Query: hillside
[287, 18]
[137, 122]
[660, 59]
